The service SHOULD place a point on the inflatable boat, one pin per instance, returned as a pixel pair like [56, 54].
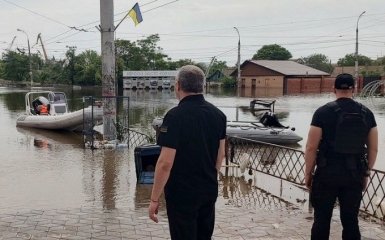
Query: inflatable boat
[268, 130]
[55, 115]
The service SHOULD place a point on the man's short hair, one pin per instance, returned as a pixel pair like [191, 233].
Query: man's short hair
[344, 81]
[191, 79]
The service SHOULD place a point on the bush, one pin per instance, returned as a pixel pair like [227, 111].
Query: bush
[229, 82]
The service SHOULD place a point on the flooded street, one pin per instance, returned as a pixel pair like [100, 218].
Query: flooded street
[42, 169]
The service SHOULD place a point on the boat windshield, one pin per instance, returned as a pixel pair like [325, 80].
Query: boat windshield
[59, 98]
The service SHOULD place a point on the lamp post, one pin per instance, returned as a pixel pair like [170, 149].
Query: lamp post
[239, 59]
[356, 53]
[29, 55]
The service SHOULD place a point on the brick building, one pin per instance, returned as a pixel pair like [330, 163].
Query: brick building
[286, 76]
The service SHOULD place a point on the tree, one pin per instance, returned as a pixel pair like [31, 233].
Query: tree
[318, 61]
[88, 67]
[380, 61]
[272, 52]
[218, 65]
[349, 60]
[173, 65]
[15, 66]
[69, 68]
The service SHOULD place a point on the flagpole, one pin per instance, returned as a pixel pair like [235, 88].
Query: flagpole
[122, 20]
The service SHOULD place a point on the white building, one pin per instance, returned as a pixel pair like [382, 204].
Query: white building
[148, 79]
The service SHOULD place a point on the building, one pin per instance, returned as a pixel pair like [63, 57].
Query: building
[286, 76]
[149, 79]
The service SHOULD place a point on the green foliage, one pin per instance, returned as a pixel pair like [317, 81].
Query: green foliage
[229, 82]
[217, 65]
[349, 60]
[380, 61]
[15, 66]
[318, 61]
[272, 52]
[69, 69]
[87, 68]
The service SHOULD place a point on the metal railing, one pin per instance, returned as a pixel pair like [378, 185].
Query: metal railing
[240, 192]
[373, 199]
[288, 164]
[278, 161]
[136, 138]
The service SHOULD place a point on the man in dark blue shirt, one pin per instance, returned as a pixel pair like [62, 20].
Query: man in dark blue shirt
[192, 137]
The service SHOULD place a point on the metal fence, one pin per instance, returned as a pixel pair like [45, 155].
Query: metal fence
[136, 138]
[278, 161]
[288, 164]
[241, 192]
[93, 118]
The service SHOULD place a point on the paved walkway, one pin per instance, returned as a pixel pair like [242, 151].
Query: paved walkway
[231, 223]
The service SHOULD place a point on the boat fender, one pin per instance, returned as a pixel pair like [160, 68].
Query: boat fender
[244, 162]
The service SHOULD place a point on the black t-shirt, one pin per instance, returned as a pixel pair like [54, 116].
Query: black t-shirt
[326, 118]
[194, 128]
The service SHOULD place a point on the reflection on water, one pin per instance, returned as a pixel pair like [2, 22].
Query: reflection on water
[242, 190]
[42, 169]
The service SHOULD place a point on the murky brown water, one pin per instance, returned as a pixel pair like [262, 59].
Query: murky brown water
[51, 170]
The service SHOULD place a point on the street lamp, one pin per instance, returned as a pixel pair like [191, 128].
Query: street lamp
[29, 55]
[356, 54]
[239, 59]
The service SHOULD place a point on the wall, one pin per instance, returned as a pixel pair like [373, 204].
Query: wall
[262, 81]
[296, 85]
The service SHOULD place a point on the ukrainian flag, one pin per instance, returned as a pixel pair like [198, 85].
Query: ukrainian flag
[135, 14]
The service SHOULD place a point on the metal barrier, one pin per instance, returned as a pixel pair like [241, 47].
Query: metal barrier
[278, 161]
[239, 191]
[373, 200]
[136, 138]
[288, 164]
[94, 118]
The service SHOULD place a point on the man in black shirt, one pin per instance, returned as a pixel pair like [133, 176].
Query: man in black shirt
[192, 137]
[342, 143]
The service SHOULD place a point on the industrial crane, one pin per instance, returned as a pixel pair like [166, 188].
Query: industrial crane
[42, 46]
[10, 45]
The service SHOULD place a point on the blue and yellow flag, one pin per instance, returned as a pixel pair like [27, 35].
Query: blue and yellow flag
[135, 14]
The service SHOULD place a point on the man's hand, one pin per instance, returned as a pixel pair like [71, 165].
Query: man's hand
[153, 211]
[308, 180]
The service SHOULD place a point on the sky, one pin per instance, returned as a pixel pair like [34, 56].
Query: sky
[200, 30]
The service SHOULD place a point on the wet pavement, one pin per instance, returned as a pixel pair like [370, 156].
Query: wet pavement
[124, 223]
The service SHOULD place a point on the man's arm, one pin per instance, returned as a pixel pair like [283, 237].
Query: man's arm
[313, 140]
[372, 147]
[221, 154]
[162, 173]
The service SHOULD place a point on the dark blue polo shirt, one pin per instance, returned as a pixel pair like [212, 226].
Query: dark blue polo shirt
[194, 128]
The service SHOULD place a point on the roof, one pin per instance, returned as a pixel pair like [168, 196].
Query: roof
[287, 67]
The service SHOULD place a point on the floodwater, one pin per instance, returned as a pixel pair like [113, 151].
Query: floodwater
[51, 170]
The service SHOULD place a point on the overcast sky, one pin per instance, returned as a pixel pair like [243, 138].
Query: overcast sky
[200, 30]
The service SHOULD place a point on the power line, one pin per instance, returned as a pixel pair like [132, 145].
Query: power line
[88, 29]
[43, 16]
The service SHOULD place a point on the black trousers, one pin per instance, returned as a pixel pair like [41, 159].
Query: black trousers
[331, 183]
[192, 218]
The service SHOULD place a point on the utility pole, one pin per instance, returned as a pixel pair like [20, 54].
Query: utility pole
[107, 29]
[239, 60]
[356, 54]
[42, 46]
[29, 56]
